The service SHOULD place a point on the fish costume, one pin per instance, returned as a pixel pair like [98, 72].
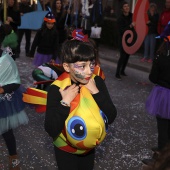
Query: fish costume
[86, 125]
[75, 137]
[84, 112]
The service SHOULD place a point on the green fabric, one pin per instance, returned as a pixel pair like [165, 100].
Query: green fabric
[10, 40]
[38, 75]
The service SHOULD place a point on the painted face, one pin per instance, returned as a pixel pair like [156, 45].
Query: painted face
[49, 25]
[81, 71]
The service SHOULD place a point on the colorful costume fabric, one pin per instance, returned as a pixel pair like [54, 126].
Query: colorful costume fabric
[12, 112]
[86, 124]
[157, 103]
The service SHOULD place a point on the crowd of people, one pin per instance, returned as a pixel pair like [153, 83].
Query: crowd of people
[76, 85]
[156, 25]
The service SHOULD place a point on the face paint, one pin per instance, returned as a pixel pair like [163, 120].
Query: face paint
[92, 66]
[82, 71]
[79, 75]
[83, 65]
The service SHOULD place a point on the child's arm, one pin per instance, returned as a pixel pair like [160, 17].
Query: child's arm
[104, 101]
[56, 113]
[9, 88]
[35, 43]
[15, 20]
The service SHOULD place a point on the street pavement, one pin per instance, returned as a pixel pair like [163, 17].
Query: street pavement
[35, 146]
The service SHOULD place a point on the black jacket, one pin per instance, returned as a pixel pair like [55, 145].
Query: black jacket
[160, 72]
[25, 8]
[46, 42]
[15, 15]
[152, 26]
[124, 23]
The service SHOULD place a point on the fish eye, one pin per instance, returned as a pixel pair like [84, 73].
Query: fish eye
[77, 128]
[104, 119]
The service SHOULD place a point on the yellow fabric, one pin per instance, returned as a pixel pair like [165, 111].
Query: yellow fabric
[84, 127]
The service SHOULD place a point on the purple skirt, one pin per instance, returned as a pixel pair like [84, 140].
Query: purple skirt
[40, 59]
[158, 102]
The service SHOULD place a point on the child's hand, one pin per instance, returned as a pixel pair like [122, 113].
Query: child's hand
[7, 22]
[69, 94]
[92, 86]
[9, 19]
[1, 90]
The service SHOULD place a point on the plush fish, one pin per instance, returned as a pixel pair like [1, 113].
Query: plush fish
[86, 125]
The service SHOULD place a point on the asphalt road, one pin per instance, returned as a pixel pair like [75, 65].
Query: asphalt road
[129, 138]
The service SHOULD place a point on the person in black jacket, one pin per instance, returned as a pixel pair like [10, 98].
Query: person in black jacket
[13, 19]
[24, 8]
[124, 23]
[157, 103]
[62, 17]
[46, 42]
[73, 101]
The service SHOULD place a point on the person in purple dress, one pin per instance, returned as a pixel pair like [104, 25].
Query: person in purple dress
[157, 103]
[46, 42]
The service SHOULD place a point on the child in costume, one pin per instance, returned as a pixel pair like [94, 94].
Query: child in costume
[46, 42]
[158, 102]
[12, 112]
[50, 71]
[79, 107]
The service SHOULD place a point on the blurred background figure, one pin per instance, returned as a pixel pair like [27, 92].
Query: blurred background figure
[124, 23]
[164, 17]
[157, 103]
[150, 40]
[24, 7]
[60, 14]
[13, 19]
[45, 41]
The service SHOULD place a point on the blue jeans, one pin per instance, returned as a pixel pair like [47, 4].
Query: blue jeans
[149, 46]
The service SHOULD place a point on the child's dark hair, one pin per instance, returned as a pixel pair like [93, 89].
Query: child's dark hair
[75, 50]
[123, 3]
